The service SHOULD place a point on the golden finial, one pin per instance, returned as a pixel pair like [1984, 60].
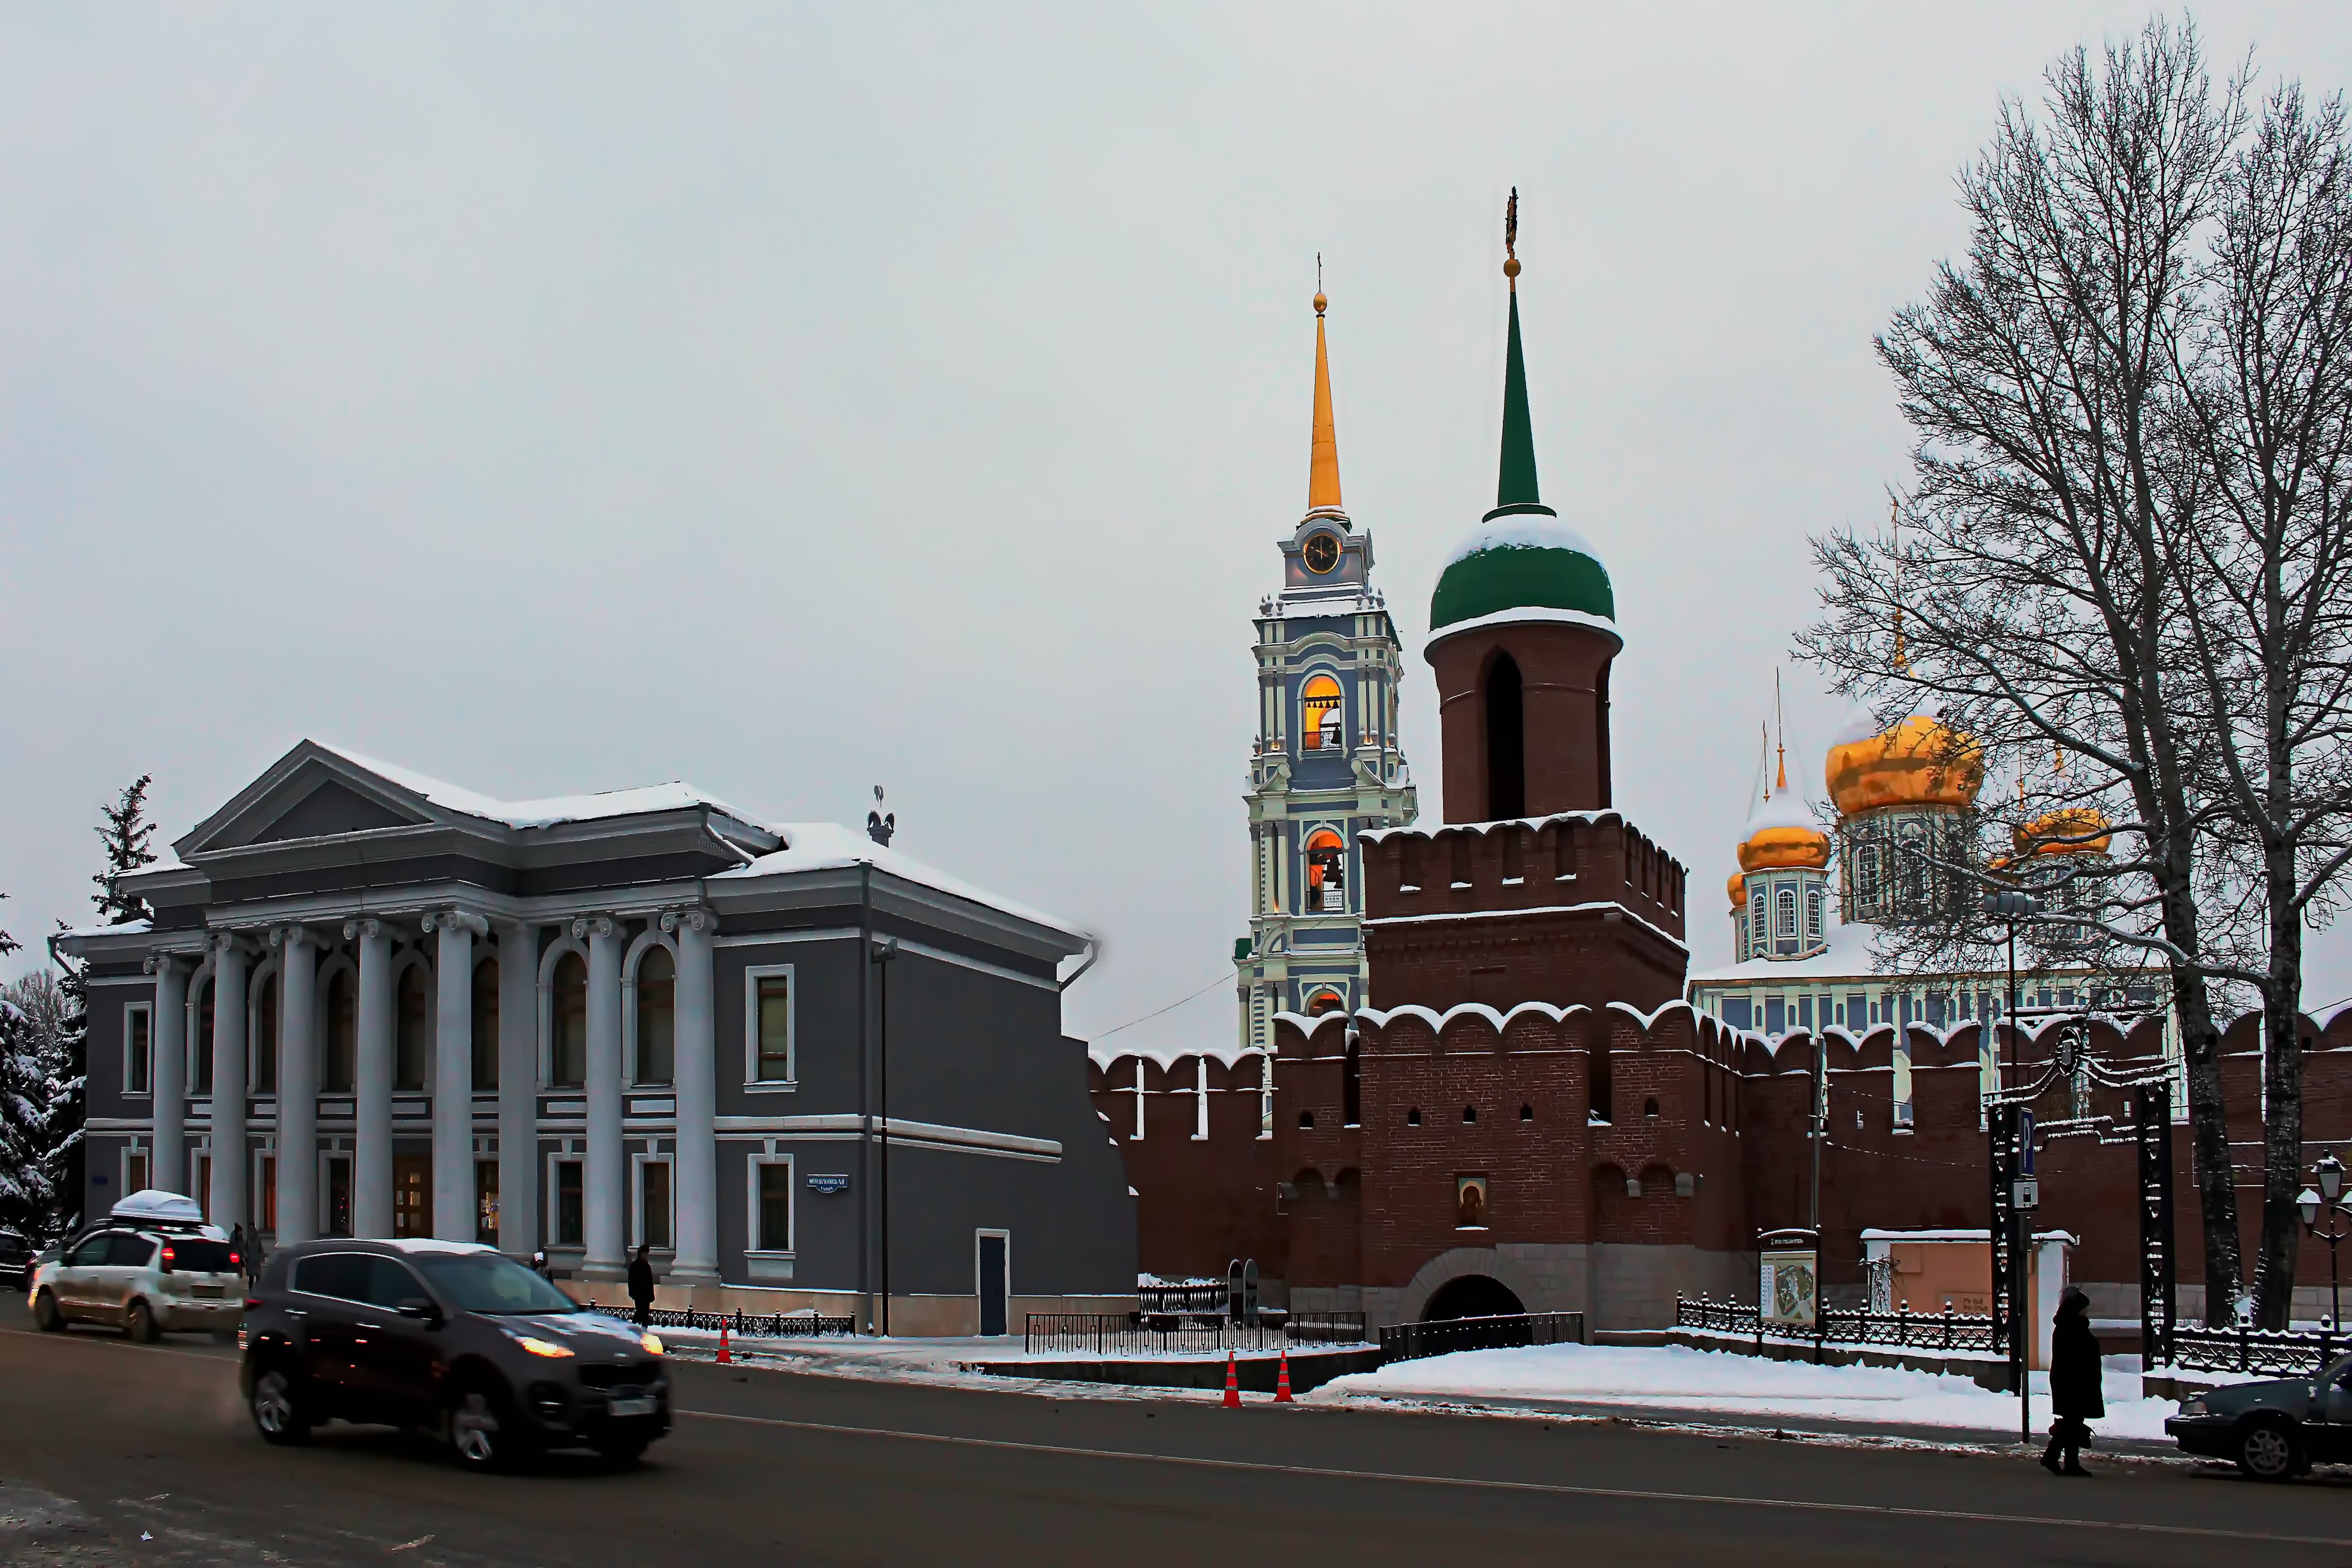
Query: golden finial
[1323, 452]
[1780, 733]
[1511, 240]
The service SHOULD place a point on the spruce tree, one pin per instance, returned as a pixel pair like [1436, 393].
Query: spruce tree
[125, 832]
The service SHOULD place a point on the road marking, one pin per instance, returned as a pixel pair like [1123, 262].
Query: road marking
[1550, 1488]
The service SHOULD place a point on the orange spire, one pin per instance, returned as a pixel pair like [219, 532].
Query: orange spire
[1323, 463]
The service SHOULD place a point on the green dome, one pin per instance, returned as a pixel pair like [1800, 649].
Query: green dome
[1519, 560]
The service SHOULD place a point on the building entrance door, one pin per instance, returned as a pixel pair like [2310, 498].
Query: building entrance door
[412, 1194]
[993, 1246]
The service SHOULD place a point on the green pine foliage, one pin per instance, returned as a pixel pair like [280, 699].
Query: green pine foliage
[125, 831]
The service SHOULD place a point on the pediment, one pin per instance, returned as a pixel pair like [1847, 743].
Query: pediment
[311, 792]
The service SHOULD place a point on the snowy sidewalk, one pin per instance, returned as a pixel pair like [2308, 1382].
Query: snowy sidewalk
[1669, 1381]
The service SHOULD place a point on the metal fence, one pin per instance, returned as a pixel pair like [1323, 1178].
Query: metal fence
[780, 1325]
[1200, 1296]
[1903, 1328]
[2282, 1353]
[1176, 1333]
[1410, 1342]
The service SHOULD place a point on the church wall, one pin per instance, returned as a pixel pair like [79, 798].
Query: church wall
[1564, 673]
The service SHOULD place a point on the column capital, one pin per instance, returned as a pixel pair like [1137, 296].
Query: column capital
[695, 918]
[164, 963]
[368, 926]
[292, 936]
[225, 942]
[458, 919]
[596, 925]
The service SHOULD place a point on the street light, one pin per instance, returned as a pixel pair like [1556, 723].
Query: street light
[2011, 907]
[2329, 1173]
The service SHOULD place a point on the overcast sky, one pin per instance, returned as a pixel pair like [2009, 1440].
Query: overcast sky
[566, 398]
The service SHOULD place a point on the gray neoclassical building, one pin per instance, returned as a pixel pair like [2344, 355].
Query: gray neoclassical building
[807, 1069]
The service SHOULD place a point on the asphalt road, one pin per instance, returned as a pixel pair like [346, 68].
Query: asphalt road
[116, 1453]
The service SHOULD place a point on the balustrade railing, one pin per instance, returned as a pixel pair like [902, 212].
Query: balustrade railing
[775, 1325]
[1412, 1341]
[2255, 1353]
[1902, 1329]
[1179, 1333]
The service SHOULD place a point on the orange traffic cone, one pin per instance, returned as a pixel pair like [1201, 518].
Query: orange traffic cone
[724, 1358]
[1233, 1384]
[1281, 1380]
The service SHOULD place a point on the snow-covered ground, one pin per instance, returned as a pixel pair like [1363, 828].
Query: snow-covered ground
[1672, 1378]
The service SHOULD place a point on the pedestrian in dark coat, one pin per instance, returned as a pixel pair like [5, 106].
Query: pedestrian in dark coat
[641, 1284]
[2074, 1378]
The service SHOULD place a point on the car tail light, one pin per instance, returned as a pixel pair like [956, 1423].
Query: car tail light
[235, 1261]
[253, 1303]
[168, 1256]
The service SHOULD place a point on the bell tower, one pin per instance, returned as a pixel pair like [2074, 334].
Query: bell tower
[1326, 764]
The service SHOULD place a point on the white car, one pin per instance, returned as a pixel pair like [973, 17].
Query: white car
[144, 1273]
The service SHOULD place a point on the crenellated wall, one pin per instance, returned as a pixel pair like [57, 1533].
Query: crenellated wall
[1629, 1156]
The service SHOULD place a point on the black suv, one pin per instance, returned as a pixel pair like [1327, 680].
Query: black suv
[451, 1337]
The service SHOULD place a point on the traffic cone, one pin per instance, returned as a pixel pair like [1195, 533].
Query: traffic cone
[724, 1358]
[1281, 1380]
[1233, 1382]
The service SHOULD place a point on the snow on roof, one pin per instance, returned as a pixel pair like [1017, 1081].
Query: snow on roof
[1785, 809]
[828, 846]
[1857, 725]
[155, 1203]
[675, 796]
[1848, 956]
[1522, 531]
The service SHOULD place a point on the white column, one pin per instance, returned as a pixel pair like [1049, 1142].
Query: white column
[603, 1174]
[697, 1261]
[517, 1089]
[453, 1075]
[228, 1082]
[167, 1038]
[371, 1162]
[298, 1085]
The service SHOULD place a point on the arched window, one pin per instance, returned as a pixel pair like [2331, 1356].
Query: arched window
[342, 1033]
[1913, 865]
[656, 1015]
[1323, 1002]
[1814, 915]
[568, 1048]
[1506, 771]
[1326, 871]
[262, 1072]
[1322, 726]
[1788, 911]
[1756, 917]
[202, 1076]
[1865, 874]
[411, 1053]
[486, 1025]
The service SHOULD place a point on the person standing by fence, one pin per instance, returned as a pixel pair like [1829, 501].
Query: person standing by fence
[641, 1284]
[2075, 1398]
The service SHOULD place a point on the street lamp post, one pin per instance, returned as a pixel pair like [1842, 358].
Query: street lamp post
[2011, 907]
[2329, 1174]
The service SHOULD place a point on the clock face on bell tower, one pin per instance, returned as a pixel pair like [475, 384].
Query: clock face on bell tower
[1322, 553]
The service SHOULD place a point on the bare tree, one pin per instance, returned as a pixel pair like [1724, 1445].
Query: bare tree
[2039, 599]
[2266, 571]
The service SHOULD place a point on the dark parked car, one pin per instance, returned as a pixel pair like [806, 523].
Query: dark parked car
[2274, 1429]
[450, 1338]
[15, 1260]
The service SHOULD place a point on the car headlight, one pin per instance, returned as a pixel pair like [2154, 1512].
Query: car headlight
[2194, 1407]
[541, 1347]
[653, 1345]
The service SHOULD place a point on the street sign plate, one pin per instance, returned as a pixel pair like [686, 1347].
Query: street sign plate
[2025, 1193]
[2024, 1142]
[828, 1184]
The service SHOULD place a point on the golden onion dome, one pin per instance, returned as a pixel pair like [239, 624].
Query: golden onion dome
[1782, 834]
[1738, 888]
[1919, 762]
[2070, 830]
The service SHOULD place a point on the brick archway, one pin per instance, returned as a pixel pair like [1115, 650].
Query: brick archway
[1462, 1262]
